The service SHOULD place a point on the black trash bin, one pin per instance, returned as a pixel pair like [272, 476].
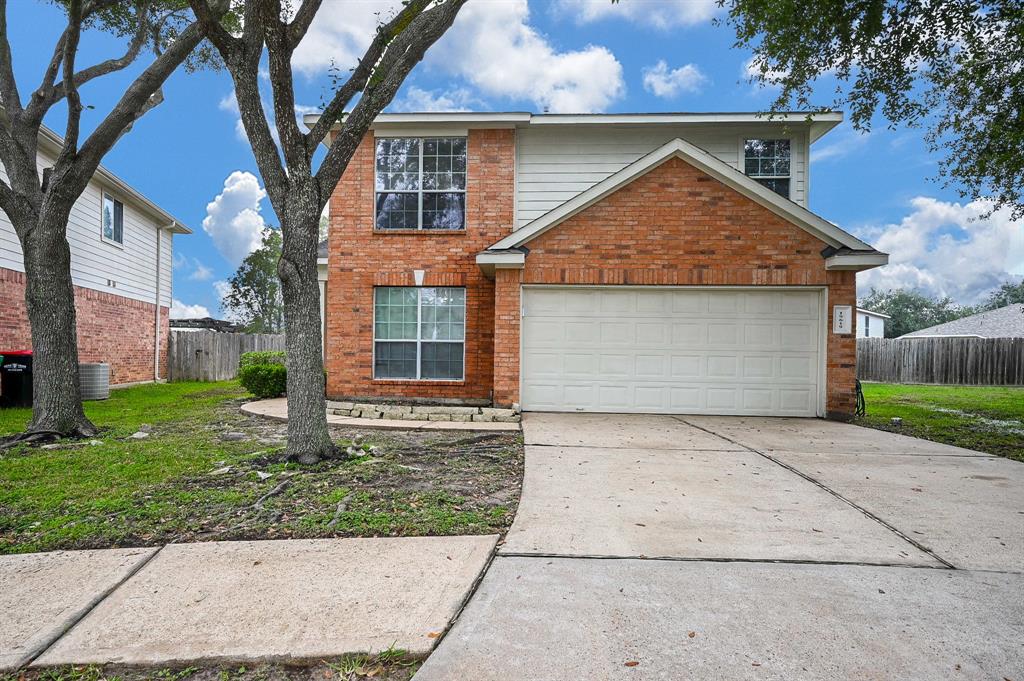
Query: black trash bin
[16, 378]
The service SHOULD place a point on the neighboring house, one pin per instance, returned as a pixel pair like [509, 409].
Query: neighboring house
[604, 263]
[1003, 322]
[121, 261]
[870, 324]
[206, 324]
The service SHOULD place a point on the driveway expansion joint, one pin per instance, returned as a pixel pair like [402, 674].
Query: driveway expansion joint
[837, 495]
[694, 559]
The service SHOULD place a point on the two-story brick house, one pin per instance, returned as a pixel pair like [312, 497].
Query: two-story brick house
[662, 263]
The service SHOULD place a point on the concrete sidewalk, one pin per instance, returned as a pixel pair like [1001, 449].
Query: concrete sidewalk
[289, 600]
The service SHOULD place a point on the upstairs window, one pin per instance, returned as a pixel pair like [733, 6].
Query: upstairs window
[113, 220]
[419, 333]
[420, 183]
[767, 161]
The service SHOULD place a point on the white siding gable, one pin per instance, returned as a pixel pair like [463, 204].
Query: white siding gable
[127, 270]
[555, 163]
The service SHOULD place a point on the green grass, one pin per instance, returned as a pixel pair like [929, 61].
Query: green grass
[987, 419]
[185, 483]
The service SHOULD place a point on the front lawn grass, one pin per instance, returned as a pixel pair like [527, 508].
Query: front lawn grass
[204, 468]
[983, 418]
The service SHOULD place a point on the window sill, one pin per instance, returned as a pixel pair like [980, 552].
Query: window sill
[417, 381]
[418, 232]
[111, 242]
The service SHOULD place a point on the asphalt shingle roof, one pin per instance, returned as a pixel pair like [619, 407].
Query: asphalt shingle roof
[1004, 322]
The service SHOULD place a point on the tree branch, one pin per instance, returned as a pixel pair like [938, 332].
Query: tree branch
[119, 63]
[279, 49]
[141, 96]
[9, 97]
[361, 74]
[72, 127]
[300, 23]
[400, 56]
[209, 19]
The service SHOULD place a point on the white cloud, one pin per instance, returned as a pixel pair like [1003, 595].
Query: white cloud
[418, 99]
[229, 103]
[946, 249]
[201, 272]
[844, 145]
[233, 218]
[180, 261]
[491, 46]
[661, 81]
[495, 49]
[180, 310]
[662, 14]
[340, 34]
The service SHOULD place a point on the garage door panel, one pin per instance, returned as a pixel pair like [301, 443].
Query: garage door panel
[671, 351]
[723, 334]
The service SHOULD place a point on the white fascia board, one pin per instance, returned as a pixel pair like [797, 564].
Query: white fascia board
[707, 163]
[872, 313]
[826, 117]
[502, 260]
[857, 262]
[488, 262]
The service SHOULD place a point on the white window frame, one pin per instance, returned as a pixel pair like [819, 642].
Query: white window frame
[743, 163]
[104, 195]
[419, 338]
[867, 326]
[420, 191]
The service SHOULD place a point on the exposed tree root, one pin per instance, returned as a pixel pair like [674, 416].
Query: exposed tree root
[342, 507]
[36, 436]
[282, 486]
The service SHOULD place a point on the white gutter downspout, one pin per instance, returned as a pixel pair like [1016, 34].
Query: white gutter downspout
[156, 313]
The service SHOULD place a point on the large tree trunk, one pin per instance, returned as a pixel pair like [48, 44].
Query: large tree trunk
[50, 301]
[308, 438]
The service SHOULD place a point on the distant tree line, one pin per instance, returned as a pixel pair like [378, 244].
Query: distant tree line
[911, 310]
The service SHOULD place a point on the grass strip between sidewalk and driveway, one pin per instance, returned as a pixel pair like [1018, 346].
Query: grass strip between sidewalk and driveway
[983, 418]
[205, 471]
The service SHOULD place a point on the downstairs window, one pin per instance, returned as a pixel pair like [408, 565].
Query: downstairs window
[419, 333]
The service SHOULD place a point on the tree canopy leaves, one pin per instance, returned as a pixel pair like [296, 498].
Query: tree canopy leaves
[254, 297]
[953, 66]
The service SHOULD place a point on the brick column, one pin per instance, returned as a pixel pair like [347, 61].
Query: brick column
[507, 285]
[841, 368]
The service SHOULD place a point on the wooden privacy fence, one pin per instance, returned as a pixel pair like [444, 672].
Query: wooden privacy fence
[211, 355]
[950, 361]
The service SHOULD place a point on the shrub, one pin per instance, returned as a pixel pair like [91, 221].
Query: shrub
[264, 380]
[265, 357]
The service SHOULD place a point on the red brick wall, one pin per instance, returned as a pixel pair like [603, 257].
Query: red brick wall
[111, 329]
[360, 258]
[507, 302]
[678, 226]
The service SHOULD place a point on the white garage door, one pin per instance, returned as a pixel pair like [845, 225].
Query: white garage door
[671, 350]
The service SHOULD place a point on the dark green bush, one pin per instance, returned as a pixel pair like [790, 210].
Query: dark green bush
[265, 357]
[264, 380]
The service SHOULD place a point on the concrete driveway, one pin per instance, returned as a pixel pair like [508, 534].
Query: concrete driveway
[660, 547]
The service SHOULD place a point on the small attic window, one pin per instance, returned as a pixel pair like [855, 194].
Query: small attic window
[767, 161]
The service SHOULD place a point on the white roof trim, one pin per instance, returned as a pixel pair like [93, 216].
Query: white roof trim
[857, 262]
[488, 262]
[819, 122]
[678, 148]
[872, 313]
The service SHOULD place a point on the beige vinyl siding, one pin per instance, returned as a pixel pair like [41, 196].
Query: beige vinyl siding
[555, 163]
[94, 261]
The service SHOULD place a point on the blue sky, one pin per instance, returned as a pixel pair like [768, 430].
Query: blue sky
[188, 156]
